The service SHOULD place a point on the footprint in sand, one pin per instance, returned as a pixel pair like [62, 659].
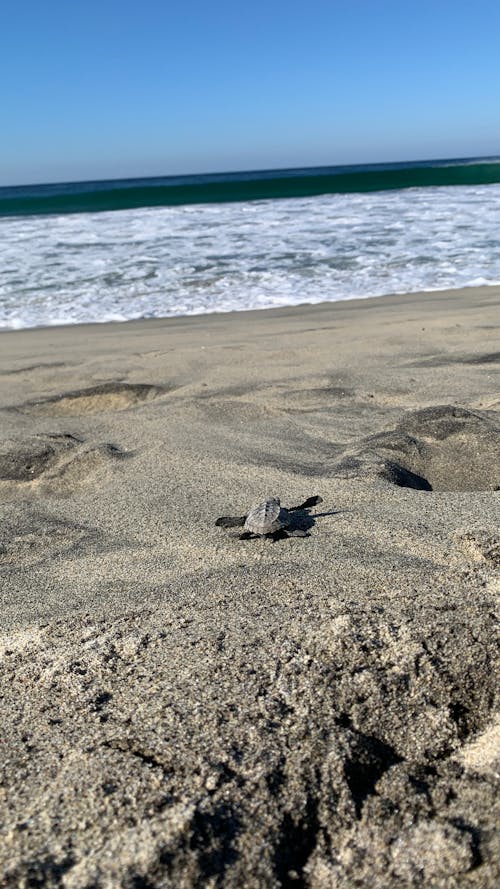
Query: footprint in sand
[57, 464]
[38, 538]
[443, 448]
[25, 461]
[104, 397]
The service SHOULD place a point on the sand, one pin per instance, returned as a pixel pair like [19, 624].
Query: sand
[180, 708]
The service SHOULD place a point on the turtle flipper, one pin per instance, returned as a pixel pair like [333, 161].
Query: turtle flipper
[307, 504]
[231, 521]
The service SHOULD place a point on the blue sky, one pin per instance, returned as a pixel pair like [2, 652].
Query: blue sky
[118, 88]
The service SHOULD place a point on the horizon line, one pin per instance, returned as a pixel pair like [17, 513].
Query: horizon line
[236, 172]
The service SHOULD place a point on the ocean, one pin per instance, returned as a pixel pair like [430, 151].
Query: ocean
[142, 248]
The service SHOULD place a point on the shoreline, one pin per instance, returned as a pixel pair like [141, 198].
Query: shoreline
[299, 308]
[182, 707]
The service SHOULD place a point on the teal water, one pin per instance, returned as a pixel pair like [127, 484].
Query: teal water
[121, 194]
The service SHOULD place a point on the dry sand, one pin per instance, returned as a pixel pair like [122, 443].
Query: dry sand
[180, 708]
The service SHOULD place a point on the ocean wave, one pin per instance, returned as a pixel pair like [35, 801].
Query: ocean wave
[167, 261]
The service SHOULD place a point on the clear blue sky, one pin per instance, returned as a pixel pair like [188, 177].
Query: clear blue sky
[110, 88]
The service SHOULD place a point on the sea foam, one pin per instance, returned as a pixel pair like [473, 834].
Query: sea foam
[185, 260]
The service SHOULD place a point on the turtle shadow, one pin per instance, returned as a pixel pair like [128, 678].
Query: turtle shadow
[299, 524]
[302, 522]
[324, 515]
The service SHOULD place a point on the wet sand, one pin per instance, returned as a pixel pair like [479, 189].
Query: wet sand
[181, 708]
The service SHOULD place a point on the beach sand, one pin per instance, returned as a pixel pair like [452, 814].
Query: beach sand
[180, 708]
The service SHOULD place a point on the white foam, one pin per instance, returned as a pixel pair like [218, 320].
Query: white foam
[228, 257]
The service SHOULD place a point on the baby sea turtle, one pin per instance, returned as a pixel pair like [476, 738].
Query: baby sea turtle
[270, 519]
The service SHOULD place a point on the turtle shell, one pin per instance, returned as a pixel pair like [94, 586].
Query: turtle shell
[266, 518]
